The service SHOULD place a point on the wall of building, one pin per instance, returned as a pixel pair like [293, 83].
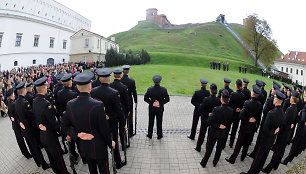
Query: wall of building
[48, 11]
[44, 18]
[90, 57]
[300, 78]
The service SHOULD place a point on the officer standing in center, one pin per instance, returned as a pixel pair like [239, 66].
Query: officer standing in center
[87, 116]
[45, 118]
[156, 96]
[206, 107]
[196, 100]
[220, 121]
[130, 84]
[113, 110]
[236, 102]
[250, 116]
[124, 99]
[270, 129]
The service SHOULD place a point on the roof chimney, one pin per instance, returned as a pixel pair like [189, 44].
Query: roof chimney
[113, 39]
[288, 52]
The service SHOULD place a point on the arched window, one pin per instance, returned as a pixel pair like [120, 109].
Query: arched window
[15, 63]
[34, 61]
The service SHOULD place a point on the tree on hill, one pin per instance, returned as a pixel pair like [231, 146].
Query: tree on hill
[258, 35]
[113, 58]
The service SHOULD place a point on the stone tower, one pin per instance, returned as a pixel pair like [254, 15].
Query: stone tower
[151, 14]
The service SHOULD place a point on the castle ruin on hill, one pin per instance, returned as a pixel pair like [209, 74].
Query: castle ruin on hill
[162, 21]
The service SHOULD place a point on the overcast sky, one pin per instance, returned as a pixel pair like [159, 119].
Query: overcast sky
[287, 18]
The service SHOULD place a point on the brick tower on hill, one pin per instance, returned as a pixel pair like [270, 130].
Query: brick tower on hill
[152, 16]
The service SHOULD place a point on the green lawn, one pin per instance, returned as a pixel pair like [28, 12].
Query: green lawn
[183, 80]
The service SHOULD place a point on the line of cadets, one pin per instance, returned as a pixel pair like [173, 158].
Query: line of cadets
[90, 124]
[275, 119]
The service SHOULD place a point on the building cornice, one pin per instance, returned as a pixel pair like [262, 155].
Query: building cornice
[289, 63]
[36, 21]
[32, 53]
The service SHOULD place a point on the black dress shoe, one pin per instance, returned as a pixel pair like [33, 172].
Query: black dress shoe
[28, 156]
[214, 164]
[120, 165]
[197, 149]
[228, 159]
[131, 135]
[45, 166]
[284, 162]
[160, 137]
[265, 170]
[84, 161]
[203, 165]
[250, 155]
[127, 146]
[190, 137]
[243, 173]
[150, 137]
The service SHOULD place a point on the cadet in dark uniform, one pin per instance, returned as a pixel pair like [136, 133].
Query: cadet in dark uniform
[196, 100]
[298, 143]
[219, 122]
[264, 92]
[269, 105]
[113, 109]
[274, 83]
[63, 97]
[17, 129]
[227, 82]
[261, 97]
[284, 133]
[245, 90]
[250, 116]
[74, 87]
[287, 100]
[29, 96]
[270, 129]
[156, 96]
[236, 102]
[87, 116]
[206, 107]
[45, 118]
[29, 128]
[124, 99]
[59, 86]
[130, 84]
[96, 83]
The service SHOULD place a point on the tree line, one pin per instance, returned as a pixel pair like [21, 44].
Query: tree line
[113, 58]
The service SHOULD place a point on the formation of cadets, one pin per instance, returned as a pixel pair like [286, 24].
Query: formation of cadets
[91, 114]
[85, 112]
[279, 121]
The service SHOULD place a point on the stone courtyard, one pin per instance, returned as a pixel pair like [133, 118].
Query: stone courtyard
[173, 154]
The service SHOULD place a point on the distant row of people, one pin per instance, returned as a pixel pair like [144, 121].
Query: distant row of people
[217, 65]
[243, 69]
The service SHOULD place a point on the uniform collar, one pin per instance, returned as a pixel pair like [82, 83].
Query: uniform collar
[84, 94]
[104, 84]
[40, 96]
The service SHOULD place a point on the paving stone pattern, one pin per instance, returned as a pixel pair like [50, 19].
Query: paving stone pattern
[173, 154]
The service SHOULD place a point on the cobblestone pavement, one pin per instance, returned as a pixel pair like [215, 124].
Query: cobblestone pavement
[173, 154]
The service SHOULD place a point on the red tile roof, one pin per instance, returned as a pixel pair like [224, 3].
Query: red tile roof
[292, 58]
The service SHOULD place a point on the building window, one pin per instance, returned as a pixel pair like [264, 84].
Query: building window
[98, 44]
[283, 69]
[34, 61]
[291, 70]
[15, 63]
[1, 36]
[18, 39]
[51, 42]
[297, 71]
[286, 69]
[36, 40]
[301, 72]
[64, 44]
[63, 60]
[86, 43]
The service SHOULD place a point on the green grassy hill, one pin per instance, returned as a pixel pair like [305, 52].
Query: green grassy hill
[195, 46]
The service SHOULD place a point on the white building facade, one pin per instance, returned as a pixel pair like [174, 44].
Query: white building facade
[294, 64]
[87, 46]
[34, 32]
